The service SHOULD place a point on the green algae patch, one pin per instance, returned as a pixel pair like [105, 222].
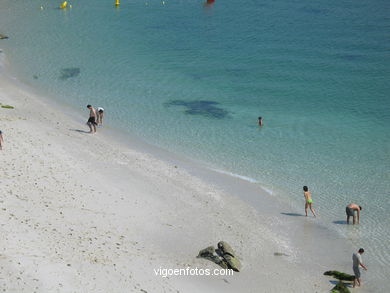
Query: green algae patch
[7, 107]
[340, 288]
[280, 254]
[340, 276]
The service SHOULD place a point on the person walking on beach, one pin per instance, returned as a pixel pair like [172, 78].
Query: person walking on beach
[1, 140]
[357, 261]
[350, 210]
[92, 119]
[260, 121]
[308, 200]
[100, 114]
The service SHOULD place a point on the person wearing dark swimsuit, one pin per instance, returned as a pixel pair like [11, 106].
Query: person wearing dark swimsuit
[92, 119]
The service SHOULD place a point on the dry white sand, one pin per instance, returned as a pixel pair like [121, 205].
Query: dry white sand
[84, 213]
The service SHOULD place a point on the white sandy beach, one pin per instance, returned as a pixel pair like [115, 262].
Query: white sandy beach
[85, 213]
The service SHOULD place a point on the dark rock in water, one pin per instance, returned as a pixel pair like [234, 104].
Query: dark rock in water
[340, 288]
[204, 108]
[3, 37]
[228, 255]
[35, 76]
[340, 276]
[66, 73]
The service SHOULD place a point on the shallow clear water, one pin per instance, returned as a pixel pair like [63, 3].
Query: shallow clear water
[193, 78]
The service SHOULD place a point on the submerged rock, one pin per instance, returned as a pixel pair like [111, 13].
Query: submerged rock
[3, 37]
[66, 73]
[340, 288]
[203, 108]
[340, 276]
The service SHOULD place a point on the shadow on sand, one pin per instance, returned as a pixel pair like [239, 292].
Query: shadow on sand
[346, 283]
[79, 130]
[293, 214]
[340, 222]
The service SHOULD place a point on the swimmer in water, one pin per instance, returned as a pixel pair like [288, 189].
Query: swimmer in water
[260, 121]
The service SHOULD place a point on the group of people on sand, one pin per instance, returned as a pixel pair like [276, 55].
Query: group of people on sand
[350, 211]
[95, 118]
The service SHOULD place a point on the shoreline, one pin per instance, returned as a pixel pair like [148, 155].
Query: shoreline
[243, 211]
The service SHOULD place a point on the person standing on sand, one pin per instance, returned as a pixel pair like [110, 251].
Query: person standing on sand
[350, 210]
[92, 119]
[260, 121]
[357, 261]
[100, 114]
[1, 140]
[308, 200]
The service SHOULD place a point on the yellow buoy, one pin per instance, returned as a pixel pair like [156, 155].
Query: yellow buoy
[117, 2]
[64, 4]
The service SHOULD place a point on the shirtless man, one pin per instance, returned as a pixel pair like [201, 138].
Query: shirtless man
[92, 119]
[350, 210]
[308, 200]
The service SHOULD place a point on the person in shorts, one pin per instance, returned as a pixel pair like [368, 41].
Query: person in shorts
[356, 262]
[100, 114]
[350, 211]
[92, 119]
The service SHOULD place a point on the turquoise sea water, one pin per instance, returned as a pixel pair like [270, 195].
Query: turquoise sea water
[193, 78]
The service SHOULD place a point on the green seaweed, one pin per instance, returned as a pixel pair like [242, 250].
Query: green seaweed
[280, 254]
[340, 288]
[7, 107]
[340, 276]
